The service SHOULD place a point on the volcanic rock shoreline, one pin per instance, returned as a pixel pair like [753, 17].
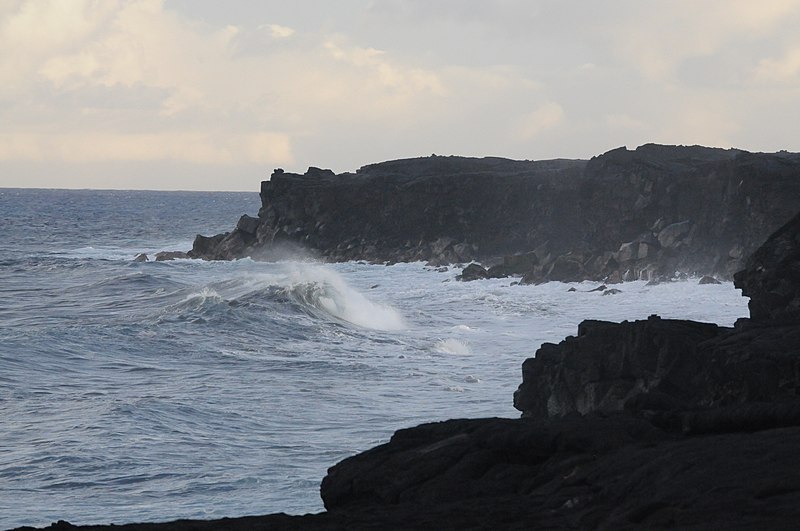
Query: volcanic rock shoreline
[647, 214]
[654, 424]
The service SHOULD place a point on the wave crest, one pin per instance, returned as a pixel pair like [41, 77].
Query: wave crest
[313, 290]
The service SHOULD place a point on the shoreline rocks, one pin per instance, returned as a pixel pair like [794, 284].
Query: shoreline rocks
[644, 214]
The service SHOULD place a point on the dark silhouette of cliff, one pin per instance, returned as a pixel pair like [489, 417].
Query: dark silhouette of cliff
[625, 214]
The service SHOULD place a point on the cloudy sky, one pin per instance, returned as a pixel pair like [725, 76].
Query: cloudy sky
[210, 95]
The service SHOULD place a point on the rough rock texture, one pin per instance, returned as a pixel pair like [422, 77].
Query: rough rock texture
[661, 365]
[681, 364]
[630, 214]
[772, 277]
[653, 424]
[164, 256]
[609, 363]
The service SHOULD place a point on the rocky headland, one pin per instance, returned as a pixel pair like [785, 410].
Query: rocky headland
[649, 213]
[648, 424]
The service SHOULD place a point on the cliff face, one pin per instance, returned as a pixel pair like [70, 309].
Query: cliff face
[634, 214]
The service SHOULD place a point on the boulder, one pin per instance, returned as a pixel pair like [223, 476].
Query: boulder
[607, 364]
[248, 224]
[164, 256]
[707, 279]
[207, 247]
[519, 264]
[473, 272]
[771, 277]
[566, 268]
[628, 251]
[141, 257]
[498, 271]
[672, 235]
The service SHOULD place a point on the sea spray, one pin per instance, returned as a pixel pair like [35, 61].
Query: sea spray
[326, 290]
[452, 346]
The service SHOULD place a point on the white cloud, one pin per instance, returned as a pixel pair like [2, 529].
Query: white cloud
[382, 70]
[115, 82]
[659, 36]
[785, 69]
[277, 31]
[536, 122]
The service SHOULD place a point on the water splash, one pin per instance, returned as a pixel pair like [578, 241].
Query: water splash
[325, 290]
[452, 346]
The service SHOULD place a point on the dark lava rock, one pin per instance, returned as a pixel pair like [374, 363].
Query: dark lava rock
[708, 280]
[621, 215]
[519, 264]
[141, 257]
[772, 277]
[498, 271]
[609, 363]
[473, 272]
[164, 256]
[612, 291]
[601, 287]
[592, 472]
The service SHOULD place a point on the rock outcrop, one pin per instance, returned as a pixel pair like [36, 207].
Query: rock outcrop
[625, 214]
[671, 365]
[652, 424]
[772, 277]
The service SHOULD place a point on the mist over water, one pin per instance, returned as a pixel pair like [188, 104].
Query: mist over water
[187, 389]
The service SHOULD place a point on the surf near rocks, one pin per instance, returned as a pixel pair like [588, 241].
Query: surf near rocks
[656, 424]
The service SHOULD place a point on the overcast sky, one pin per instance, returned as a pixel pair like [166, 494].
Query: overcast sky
[211, 95]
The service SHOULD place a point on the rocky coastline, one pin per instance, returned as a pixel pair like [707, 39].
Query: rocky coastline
[649, 424]
[650, 213]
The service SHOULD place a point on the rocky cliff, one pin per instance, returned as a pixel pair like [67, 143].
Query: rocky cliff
[625, 214]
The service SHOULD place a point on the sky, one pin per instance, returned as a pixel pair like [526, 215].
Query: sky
[210, 95]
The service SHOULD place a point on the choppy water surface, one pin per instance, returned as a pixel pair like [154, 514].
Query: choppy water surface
[187, 389]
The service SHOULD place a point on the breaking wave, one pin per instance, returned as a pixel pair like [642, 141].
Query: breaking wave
[310, 289]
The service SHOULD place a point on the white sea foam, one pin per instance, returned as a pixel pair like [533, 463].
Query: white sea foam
[125, 254]
[452, 346]
[326, 290]
[203, 295]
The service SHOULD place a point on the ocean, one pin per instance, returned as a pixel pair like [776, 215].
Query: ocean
[187, 389]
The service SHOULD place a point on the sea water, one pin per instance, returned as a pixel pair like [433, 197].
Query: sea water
[188, 389]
